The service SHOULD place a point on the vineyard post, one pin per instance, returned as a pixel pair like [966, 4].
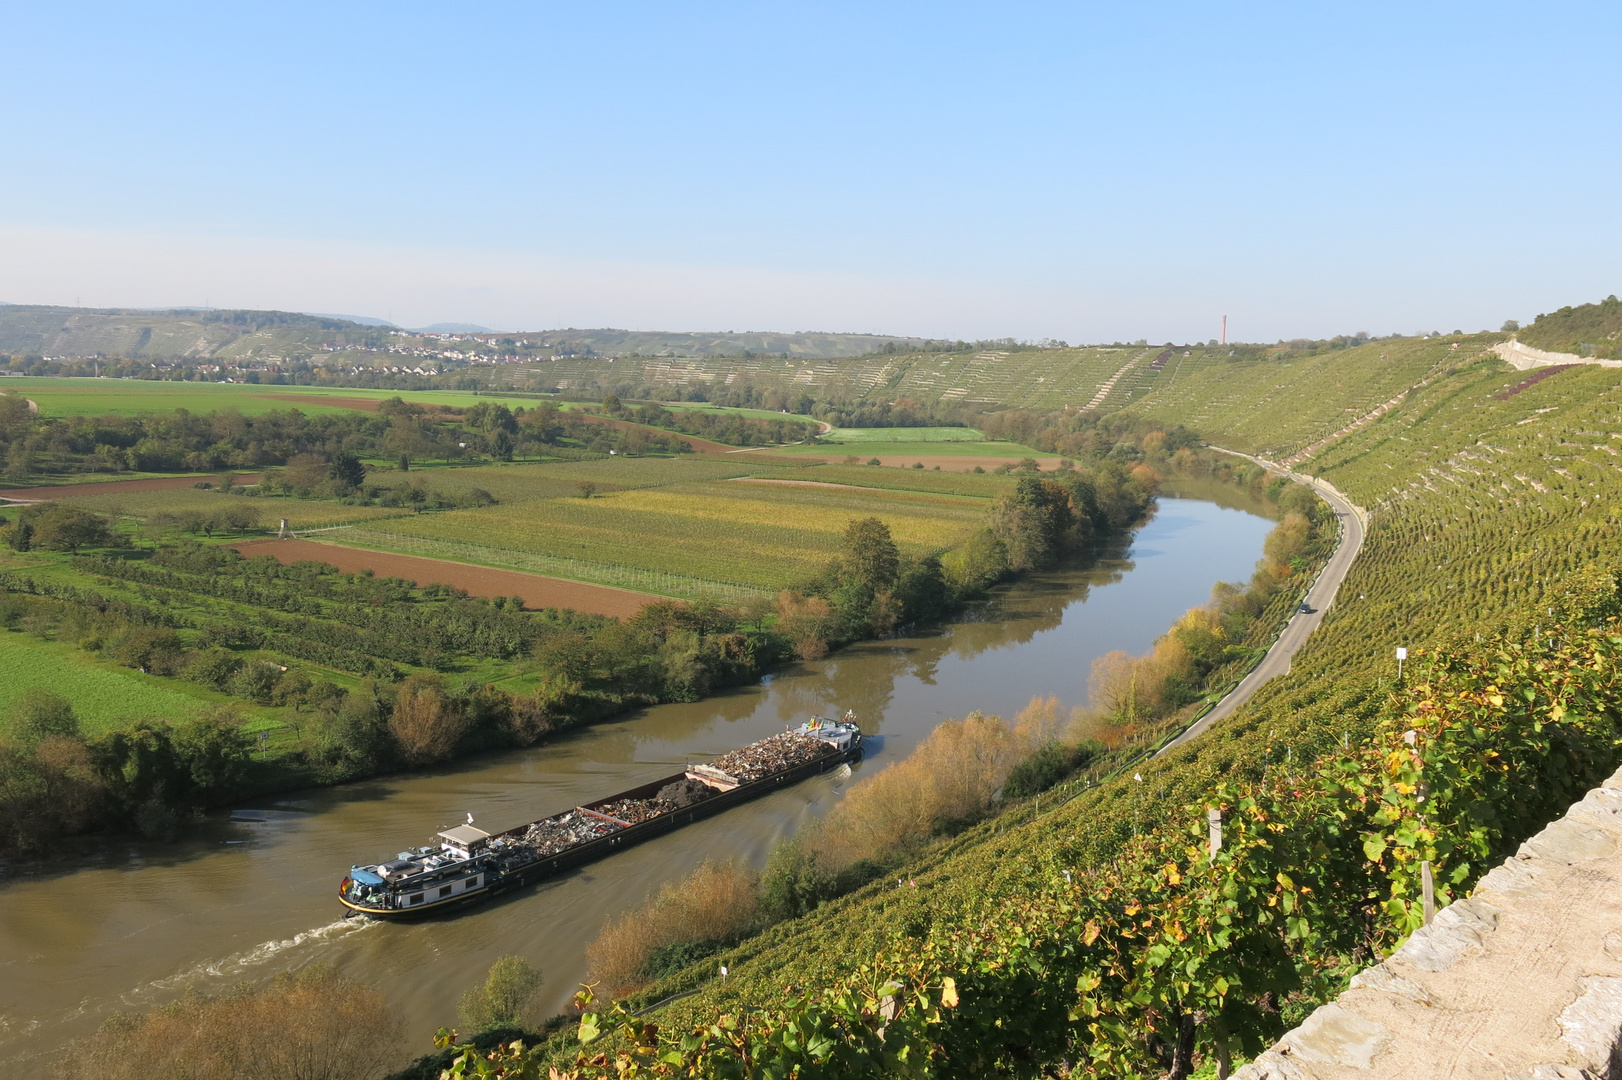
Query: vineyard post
[1427, 890]
[1213, 818]
[1402, 654]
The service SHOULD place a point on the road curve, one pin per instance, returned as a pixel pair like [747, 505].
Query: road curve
[1353, 520]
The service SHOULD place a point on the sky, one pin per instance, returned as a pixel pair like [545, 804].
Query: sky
[1076, 171]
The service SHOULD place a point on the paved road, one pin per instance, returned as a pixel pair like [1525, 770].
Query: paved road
[1301, 625]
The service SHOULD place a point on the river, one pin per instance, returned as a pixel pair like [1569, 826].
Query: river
[134, 924]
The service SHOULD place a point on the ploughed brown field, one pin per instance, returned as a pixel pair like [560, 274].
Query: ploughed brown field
[537, 591]
[112, 487]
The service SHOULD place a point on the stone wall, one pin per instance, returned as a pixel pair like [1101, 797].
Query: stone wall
[1522, 981]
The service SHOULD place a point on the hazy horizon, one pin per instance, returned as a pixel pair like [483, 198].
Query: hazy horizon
[1035, 171]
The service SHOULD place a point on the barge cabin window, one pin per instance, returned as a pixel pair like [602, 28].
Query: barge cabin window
[416, 898]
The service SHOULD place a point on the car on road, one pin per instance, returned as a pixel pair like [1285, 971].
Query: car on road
[1306, 608]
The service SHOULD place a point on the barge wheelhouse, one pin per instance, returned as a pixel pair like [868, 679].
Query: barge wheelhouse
[467, 864]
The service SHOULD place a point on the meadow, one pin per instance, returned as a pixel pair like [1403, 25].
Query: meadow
[102, 695]
[727, 410]
[98, 397]
[558, 479]
[182, 502]
[903, 435]
[915, 448]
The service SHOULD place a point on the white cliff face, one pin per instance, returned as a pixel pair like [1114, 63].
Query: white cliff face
[1522, 981]
[1525, 358]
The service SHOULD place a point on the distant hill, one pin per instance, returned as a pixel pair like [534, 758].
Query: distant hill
[179, 333]
[1586, 330]
[654, 343]
[208, 334]
[453, 328]
[361, 320]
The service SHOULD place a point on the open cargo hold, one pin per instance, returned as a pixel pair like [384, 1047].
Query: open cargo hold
[469, 864]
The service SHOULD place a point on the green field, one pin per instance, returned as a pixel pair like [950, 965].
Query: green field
[921, 449]
[300, 513]
[749, 414]
[983, 485]
[903, 435]
[761, 536]
[560, 479]
[97, 397]
[102, 694]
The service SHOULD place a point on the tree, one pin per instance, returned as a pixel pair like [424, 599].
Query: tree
[66, 528]
[504, 999]
[19, 461]
[870, 555]
[1034, 522]
[214, 751]
[425, 723]
[347, 469]
[39, 714]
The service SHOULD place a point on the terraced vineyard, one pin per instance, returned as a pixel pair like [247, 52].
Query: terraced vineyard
[1275, 407]
[1028, 378]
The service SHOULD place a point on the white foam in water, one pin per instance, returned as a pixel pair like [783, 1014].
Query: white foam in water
[236, 964]
[242, 961]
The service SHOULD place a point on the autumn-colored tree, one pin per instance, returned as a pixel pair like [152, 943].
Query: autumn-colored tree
[426, 724]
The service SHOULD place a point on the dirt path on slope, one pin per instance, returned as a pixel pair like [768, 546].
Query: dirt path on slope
[536, 590]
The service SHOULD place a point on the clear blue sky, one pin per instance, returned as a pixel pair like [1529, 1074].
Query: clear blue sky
[1077, 171]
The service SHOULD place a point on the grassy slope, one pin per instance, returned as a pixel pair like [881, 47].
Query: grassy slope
[102, 694]
[1481, 509]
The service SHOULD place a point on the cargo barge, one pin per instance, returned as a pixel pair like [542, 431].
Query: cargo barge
[468, 865]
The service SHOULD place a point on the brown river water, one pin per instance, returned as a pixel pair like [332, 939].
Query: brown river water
[131, 925]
